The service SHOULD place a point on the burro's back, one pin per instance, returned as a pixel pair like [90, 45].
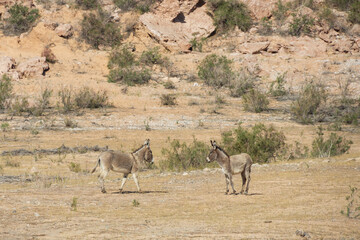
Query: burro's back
[117, 161]
[240, 162]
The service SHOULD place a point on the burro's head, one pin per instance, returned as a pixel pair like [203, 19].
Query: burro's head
[148, 156]
[213, 153]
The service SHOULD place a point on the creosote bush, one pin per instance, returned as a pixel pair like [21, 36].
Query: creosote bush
[260, 142]
[89, 98]
[255, 101]
[125, 69]
[333, 146]
[277, 88]
[151, 57]
[168, 99]
[229, 14]
[96, 30]
[215, 70]
[301, 25]
[21, 19]
[182, 157]
[6, 93]
[306, 107]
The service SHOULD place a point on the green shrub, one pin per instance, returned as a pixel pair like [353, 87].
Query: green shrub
[74, 204]
[5, 92]
[261, 143]
[305, 108]
[333, 146]
[96, 30]
[353, 205]
[151, 57]
[42, 103]
[354, 14]
[87, 4]
[301, 24]
[5, 126]
[69, 123]
[142, 6]
[328, 16]
[20, 106]
[215, 70]
[169, 85]
[229, 14]
[66, 100]
[21, 19]
[241, 83]
[88, 98]
[130, 75]
[255, 101]
[125, 5]
[265, 27]
[281, 11]
[197, 45]
[125, 69]
[121, 58]
[182, 157]
[168, 99]
[342, 4]
[277, 88]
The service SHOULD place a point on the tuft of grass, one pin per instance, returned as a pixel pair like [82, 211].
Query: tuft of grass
[87, 4]
[353, 204]
[69, 123]
[6, 93]
[74, 204]
[75, 167]
[5, 126]
[169, 85]
[12, 163]
[135, 203]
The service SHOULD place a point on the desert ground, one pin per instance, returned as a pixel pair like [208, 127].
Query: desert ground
[41, 197]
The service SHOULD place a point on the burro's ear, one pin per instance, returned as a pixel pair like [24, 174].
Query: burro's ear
[211, 142]
[214, 144]
[147, 142]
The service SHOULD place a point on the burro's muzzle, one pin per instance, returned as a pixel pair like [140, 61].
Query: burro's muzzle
[208, 159]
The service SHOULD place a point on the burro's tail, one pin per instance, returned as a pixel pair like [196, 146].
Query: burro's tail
[97, 164]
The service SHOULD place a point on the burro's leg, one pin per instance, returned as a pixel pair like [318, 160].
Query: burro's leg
[123, 182]
[243, 182]
[248, 178]
[136, 182]
[232, 184]
[227, 184]
[102, 177]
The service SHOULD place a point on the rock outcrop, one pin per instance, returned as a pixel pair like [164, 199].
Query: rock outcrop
[64, 30]
[33, 67]
[174, 23]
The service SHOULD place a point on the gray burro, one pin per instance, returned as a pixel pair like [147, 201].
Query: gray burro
[124, 163]
[231, 165]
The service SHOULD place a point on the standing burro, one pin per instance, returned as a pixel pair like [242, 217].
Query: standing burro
[232, 165]
[124, 163]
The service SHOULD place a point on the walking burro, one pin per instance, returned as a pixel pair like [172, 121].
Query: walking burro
[231, 165]
[124, 163]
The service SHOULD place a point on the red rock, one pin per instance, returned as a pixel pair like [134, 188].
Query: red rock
[33, 67]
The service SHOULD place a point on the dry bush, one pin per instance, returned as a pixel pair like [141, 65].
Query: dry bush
[168, 99]
[49, 55]
[255, 101]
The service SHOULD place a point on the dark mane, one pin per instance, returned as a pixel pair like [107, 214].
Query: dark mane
[222, 151]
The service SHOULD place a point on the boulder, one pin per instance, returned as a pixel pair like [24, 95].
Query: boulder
[33, 67]
[343, 45]
[64, 30]
[174, 23]
[307, 47]
[355, 30]
[274, 47]
[6, 63]
[253, 47]
[261, 8]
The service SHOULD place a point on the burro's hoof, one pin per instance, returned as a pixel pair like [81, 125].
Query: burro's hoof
[227, 192]
[121, 191]
[103, 190]
[233, 193]
[245, 193]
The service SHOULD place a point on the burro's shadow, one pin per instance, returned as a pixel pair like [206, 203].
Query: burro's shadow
[249, 194]
[136, 192]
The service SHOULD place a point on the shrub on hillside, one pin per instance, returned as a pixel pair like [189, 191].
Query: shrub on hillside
[181, 157]
[277, 88]
[342, 4]
[21, 19]
[280, 12]
[241, 83]
[305, 108]
[215, 70]
[260, 142]
[354, 14]
[168, 99]
[5, 92]
[229, 14]
[87, 4]
[301, 25]
[151, 57]
[333, 146]
[96, 30]
[142, 6]
[265, 26]
[49, 55]
[327, 15]
[255, 101]
[89, 98]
